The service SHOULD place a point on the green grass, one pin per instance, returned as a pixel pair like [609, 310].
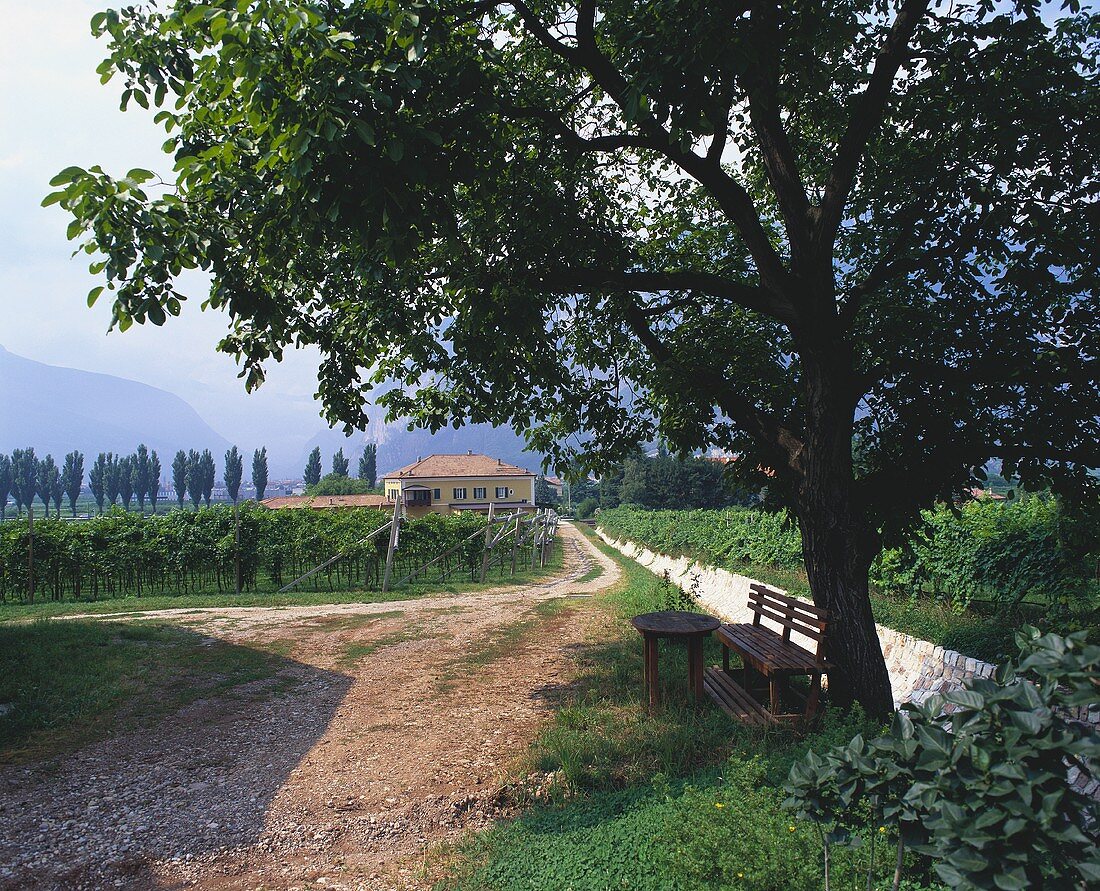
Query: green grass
[11, 610]
[685, 799]
[67, 683]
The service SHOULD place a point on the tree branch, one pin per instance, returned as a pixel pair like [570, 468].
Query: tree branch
[777, 440]
[866, 117]
[750, 297]
[780, 162]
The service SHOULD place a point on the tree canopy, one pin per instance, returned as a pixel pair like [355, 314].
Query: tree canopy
[768, 228]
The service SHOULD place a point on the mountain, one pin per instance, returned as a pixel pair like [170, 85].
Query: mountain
[56, 410]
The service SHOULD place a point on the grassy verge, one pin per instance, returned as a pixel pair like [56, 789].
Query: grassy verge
[63, 684]
[685, 799]
[12, 611]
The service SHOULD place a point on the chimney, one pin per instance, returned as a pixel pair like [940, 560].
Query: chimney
[499, 462]
[469, 451]
[418, 459]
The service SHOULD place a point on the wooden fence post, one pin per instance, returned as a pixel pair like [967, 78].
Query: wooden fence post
[487, 548]
[515, 540]
[394, 526]
[30, 550]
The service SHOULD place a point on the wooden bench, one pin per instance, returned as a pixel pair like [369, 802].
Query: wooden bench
[772, 655]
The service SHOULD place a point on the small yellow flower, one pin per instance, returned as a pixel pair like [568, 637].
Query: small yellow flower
[740, 875]
[791, 828]
[718, 804]
[882, 829]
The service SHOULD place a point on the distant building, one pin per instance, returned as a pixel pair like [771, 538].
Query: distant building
[446, 484]
[555, 484]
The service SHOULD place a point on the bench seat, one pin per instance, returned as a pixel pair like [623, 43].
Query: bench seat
[768, 651]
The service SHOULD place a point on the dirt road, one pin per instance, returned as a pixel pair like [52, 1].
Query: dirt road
[388, 728]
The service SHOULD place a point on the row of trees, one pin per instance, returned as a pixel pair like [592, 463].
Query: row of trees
[368, 466]
[121, 479]
[24, 477]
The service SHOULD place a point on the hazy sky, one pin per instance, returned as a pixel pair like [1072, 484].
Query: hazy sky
[53, 113]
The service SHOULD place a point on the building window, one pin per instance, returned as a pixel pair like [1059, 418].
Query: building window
[502, 491]
[479, 493]
[436, 495]
[460, 494]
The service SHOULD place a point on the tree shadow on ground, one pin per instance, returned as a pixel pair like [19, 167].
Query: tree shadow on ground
[180, 785]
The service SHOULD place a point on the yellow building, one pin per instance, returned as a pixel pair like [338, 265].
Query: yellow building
[446, 484]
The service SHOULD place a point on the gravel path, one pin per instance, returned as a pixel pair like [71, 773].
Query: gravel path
[388, 728]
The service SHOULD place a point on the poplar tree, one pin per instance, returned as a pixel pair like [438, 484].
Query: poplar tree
[234, 471]
[368, 464]
[112, 479]
[196, 477]
[72, 478]
[140, 475]
[5, 485]
[46, 470]
[181, 466]
[312, 475]
[97, 480]
[126, 480]
[154, 480]
[57, 491]
[339, 463]
[24, 468]
[208, 473]
[259, 472]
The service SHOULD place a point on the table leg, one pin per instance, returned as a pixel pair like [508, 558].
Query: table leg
[695, 667]
[652, 681]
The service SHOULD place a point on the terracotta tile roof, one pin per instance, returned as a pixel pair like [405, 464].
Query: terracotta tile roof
[325, 502]
[456, 466]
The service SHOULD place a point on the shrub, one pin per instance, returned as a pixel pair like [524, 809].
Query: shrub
[976, 778]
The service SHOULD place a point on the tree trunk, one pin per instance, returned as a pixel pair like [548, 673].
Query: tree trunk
[838, 540]
[838, 554]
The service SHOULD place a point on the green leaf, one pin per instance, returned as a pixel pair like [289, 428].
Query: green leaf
[67, 176]
[93, 295]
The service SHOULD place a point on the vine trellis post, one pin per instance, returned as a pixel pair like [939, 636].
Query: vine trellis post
[395, 527]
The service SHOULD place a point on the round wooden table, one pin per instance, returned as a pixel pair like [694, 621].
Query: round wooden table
[674, 625]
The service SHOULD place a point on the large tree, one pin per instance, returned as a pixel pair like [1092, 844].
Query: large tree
[776, 229]
[72, 478]
[339, 463]
[259, 472]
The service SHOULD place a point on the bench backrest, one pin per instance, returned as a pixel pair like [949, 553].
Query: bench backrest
[791, 614]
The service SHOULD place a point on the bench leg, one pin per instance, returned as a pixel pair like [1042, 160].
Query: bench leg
[773, 690]
[726, 659]
[815, 695]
